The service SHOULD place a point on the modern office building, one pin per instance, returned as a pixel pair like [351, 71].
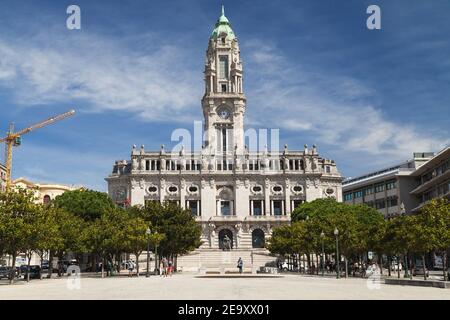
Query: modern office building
[432, 180]
[387, 190]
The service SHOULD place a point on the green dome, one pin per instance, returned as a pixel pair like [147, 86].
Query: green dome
[223, 26]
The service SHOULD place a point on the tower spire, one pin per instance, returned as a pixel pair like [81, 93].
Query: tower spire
[223, 10]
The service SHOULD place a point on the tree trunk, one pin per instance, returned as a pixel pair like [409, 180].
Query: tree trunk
[137, 263]
[12, 273]
[41, 256]
[398, 266]
[317, 263]
[50, 264]
[346, 266]
[103, 267]
[423, 267]
[28, 266]
[308, 260]
[381, 264]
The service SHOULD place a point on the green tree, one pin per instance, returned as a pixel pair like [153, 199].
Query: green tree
[281, 241]
[182, 233]
[134, 237]
[48, 235]
[86, 204]
[436, 214]
[17, 212]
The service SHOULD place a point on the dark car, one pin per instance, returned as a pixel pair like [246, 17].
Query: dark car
[4, 272]
[35, 271]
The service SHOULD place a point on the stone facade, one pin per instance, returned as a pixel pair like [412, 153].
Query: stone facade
[231, 190]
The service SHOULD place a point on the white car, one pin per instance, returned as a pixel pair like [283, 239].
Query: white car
[396, 267]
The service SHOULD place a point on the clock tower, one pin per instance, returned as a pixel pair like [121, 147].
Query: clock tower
[224, 101]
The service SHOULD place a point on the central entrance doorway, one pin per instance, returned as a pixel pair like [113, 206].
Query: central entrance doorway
[222, 234]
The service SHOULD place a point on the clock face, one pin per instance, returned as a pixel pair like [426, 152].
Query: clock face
[224, 114]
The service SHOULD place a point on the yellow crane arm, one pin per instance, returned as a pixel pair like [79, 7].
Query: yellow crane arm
[11, 137]
[45, 123]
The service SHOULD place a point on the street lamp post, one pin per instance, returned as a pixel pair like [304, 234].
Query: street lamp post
[148, 232]
[322, 235]
[336, 233]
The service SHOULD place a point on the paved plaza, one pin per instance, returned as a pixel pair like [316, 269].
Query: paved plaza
[193, 287]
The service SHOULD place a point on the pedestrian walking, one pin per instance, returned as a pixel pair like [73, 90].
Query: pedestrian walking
[165, 266]
[170, 268]
[130, 268]
[161, 268]
[240, 265]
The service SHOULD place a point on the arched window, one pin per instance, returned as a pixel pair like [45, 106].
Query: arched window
[46, 199]
[258, 240]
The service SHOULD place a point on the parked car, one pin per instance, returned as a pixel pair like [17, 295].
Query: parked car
[4, 272]
[396, 267]
[417, 270]
[35, 271]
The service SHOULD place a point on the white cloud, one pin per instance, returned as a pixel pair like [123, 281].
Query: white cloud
[336, 110]
[106, 75]
[156, 83]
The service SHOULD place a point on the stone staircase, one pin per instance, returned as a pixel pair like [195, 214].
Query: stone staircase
[218, 261]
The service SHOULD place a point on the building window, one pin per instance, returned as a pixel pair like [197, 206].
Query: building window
[390, 185]
[258, 239]
[225, 207]
[224, 88]
[392, 201]
[194, 207]
[223, 67]
[358, 194]
[328, 169]
[257, 207]
[379, 187]
[368, 191]
[277, 207]
[380, 204]
[348, 196]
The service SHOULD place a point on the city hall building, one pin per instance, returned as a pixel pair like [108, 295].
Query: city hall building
[233, 192]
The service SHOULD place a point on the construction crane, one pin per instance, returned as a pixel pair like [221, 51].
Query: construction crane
[13, 139]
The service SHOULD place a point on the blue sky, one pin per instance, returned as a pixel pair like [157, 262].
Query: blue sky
[134, 74]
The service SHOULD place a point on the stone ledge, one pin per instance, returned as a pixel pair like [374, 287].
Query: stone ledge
[419, 283]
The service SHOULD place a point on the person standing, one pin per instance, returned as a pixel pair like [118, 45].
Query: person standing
[170, 268]
[165, 266]
[240, 265]
[130, 268]
[161, 268]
